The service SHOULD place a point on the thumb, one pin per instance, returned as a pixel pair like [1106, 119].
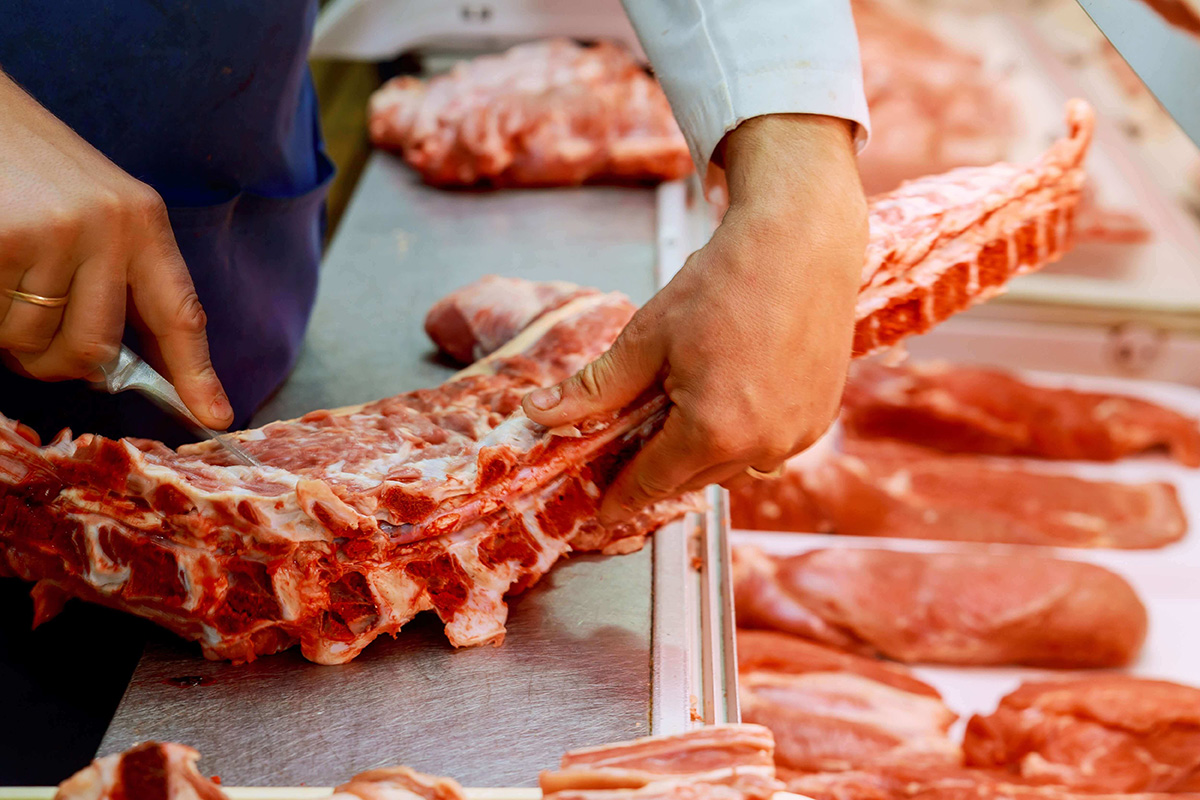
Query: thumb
[612, 381]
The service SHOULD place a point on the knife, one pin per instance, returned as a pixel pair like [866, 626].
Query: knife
[129, 371]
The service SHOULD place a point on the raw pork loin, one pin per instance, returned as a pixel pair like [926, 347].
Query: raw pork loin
[882, 488]
[965, 409]
[831, 710]
[944, 608]
[450, 498]
[550, 113]
[1106, 733]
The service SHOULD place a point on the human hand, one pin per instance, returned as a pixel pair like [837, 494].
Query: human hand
[751, 340]
[74, 225]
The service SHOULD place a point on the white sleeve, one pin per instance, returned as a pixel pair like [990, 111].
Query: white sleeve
[722, 62]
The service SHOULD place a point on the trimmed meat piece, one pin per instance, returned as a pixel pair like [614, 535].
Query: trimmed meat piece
[944, 608]
[397, 783]
[967, 409]
[720, 761]
[550, 113]
[882, 488]
[148, 771]
[1104, 733]
[834, 711]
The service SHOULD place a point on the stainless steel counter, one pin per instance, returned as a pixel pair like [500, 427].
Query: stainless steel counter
[576, 668]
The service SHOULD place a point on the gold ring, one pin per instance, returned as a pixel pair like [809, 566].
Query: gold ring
[37, 299]
[759, 475]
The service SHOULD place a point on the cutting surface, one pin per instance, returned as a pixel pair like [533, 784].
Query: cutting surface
[576, 666]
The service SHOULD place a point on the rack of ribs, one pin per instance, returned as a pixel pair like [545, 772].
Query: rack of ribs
[944, 608]
[831, 710]
[550, 113]
[1103, 733]
[966, 409]
[867, 487]
[448, 499]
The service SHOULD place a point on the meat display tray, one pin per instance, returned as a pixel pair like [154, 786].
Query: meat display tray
[601, 650]
[1164, 578]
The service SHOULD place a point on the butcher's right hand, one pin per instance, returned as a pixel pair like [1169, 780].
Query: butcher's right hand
[74, 225]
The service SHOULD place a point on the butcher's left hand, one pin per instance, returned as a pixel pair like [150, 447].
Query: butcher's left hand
[751, 339]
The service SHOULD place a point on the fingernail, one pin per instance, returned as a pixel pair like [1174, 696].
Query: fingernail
[546, 399]
[220, 408]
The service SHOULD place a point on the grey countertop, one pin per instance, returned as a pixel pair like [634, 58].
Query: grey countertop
[576, 666]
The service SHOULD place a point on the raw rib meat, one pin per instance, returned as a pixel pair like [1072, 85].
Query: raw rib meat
[933, 106]
[967, 409]
[831, 710]
[944, 608]
[447, 498]
[883, 488]
[443, 499]
[1107, 733]
[149, 771]
[943, 243]
[550, 113]
[725, 762]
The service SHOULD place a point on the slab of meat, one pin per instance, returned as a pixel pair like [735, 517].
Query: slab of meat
[933, 105]
[447, 499]
[883, 488]
[551, 113]
[944, 608]
[831, 710]
[967, 409]
[724, 762]
[1106, 733]
[149, 771]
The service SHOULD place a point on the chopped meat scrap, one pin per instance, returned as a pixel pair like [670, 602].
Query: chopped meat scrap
[550, 113]
[722, 761]
[831, 710]
[882, 488]
[149, 771]
[944, 608]
[397, 783]
[1105, 733]
[967, 409]
[449, 499]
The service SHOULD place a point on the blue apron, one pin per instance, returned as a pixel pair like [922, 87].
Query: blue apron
[209, 102]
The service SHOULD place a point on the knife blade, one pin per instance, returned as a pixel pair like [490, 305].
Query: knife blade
[129, 372]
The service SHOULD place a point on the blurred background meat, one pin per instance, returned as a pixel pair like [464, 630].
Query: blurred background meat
[944, 608]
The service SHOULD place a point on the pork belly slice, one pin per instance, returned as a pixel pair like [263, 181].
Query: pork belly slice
[729, 762]
[884, 488]
[1103, 733]
[148, 771]
[831, 710]
[443, 499]
[966, 409]
[551, 113]
[903, 780]
[944, 608]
